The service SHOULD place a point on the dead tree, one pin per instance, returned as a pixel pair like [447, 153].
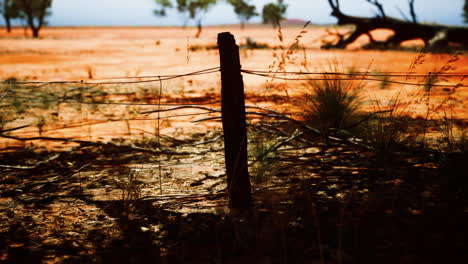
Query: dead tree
[434, 36]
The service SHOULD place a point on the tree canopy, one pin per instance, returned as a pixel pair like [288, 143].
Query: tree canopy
[274, 12]
[243, 10]
[163, 5]
[34, 12]
[196, 9]
[9, 10]
[465, 12]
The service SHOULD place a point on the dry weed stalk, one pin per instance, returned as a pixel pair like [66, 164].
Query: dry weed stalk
[284, 57]
[129, 183]
[332, 102]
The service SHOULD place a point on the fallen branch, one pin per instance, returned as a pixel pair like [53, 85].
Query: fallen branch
[278, 115]
[209, 141]
[209, 109]
[368, 117]
[311, 129]
[207, 119]
[30, 185]
[13, 129]
[99, 144]
[40, 163]
[268, 128]
[296, 134]
[433, 35]
[265, 109]
[207, 196]
[281, 116]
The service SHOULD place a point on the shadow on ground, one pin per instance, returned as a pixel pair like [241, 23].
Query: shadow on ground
[336, 207]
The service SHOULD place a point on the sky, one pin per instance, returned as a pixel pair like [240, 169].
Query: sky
[140, 12]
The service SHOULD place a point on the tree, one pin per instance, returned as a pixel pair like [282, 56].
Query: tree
[195, 9]
[181, 5]
[163, 5]
[34, 12]
[274, 12]
[9, 9]
[183, 9]
[433, 35]
[243, 10]
[465, 12]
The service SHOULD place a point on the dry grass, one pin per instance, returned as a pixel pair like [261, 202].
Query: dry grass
[321, 204]
[333, 103]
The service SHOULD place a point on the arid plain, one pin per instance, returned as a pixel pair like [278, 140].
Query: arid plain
[97, 54]
[143, 187]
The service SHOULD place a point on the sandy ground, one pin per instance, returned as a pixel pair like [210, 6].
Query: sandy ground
[95, 54]
[70, 206]
[69, 53]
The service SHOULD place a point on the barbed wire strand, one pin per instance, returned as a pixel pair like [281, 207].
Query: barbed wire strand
[106, 103]
[97, 82]
[351, 79]
[157, 76]
[377, 74]
[256, 72]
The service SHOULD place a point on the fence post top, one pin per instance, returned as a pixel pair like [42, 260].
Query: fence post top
[224, 37]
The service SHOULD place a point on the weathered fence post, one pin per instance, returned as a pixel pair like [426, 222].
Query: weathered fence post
[234, 127]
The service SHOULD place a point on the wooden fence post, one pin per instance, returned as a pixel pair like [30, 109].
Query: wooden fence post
[234, 125]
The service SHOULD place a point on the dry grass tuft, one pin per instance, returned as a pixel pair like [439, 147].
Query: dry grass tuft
[332, 102]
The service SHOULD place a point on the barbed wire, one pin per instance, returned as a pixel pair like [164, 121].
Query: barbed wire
[363, 78]
[365, 74]
[354, 76]
[159, 79]
[40, 100]
[162, 76]
[154, 78]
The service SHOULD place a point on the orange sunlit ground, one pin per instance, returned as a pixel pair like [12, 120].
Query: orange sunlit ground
[93, 169]
[95, 54]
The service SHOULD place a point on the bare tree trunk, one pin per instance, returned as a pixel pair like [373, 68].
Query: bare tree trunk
[7, 24]
[35, 31]
[35, 14]
[6, 7]
[25, 28]
[199, 29]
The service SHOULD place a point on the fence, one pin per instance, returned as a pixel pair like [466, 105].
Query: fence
[19, 97]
